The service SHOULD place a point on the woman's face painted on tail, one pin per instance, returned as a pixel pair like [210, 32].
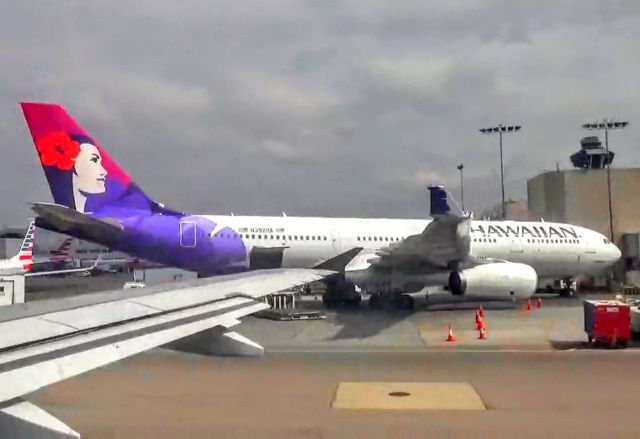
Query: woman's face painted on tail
[89, 170]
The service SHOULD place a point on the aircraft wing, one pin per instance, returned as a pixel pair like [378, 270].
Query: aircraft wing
[44, 342]
[442, 244]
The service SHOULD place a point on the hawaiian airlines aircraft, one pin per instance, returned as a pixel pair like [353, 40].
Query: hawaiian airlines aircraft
[97, 201]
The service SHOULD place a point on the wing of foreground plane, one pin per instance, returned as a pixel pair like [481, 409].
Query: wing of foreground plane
[44, 342]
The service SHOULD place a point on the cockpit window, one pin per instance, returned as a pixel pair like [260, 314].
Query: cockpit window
[606, 241]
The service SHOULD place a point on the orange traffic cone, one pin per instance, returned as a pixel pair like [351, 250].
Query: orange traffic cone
[528, 305]
[479, 323]
[481, 311]
[450, 337]
[482, 335]
[539, 303]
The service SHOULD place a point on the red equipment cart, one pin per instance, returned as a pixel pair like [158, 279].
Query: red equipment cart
[607, 321]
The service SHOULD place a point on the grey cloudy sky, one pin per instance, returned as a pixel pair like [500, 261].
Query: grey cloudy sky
[320, 107]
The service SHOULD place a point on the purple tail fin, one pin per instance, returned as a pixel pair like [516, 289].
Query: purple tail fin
[80, 173]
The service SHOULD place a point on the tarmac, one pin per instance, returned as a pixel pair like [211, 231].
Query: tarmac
[532, 377]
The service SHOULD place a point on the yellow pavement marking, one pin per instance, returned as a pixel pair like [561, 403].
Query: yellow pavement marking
[411, 396]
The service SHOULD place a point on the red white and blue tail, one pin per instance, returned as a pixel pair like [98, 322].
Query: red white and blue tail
[24, 258]
[62, 253]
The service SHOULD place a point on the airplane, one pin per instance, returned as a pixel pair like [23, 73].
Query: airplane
[23, 264]
[57, 259]
[47, 341]
[62, 254]
[97, 201]
[23, 261]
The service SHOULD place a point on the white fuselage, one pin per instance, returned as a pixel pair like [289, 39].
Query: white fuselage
[9, 267]
[554, 250]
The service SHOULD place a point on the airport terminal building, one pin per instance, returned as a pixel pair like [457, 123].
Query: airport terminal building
[580, 197]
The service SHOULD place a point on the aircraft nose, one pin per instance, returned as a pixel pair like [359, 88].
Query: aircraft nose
[616, 254]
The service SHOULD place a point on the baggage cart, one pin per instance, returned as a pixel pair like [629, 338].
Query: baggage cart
[608, 322]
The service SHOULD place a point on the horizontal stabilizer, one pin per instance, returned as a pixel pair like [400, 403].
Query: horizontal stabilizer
[71, 222]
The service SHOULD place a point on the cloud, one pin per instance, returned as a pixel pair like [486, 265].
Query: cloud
[275, 94]
[337, 108]
[280, 150]
[428, 77]
[420, 178]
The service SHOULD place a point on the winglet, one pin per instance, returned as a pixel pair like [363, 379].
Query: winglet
[439, 203]
[439, 198]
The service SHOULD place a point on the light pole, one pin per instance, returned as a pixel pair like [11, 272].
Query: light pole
[606, 125]
[460, 168]
[500, 129]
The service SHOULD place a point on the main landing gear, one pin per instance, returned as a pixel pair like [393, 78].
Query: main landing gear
[340, 293]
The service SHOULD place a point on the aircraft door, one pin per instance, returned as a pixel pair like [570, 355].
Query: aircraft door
[188, 234]
[336, 241]
[516, 245]
[588, 253]
[516, 252]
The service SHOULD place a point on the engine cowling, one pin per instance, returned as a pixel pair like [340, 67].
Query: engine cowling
[497, 279]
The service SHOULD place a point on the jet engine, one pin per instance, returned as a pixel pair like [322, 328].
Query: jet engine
[496, 279]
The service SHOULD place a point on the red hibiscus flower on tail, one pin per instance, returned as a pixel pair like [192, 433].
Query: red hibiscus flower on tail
[58, 149]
